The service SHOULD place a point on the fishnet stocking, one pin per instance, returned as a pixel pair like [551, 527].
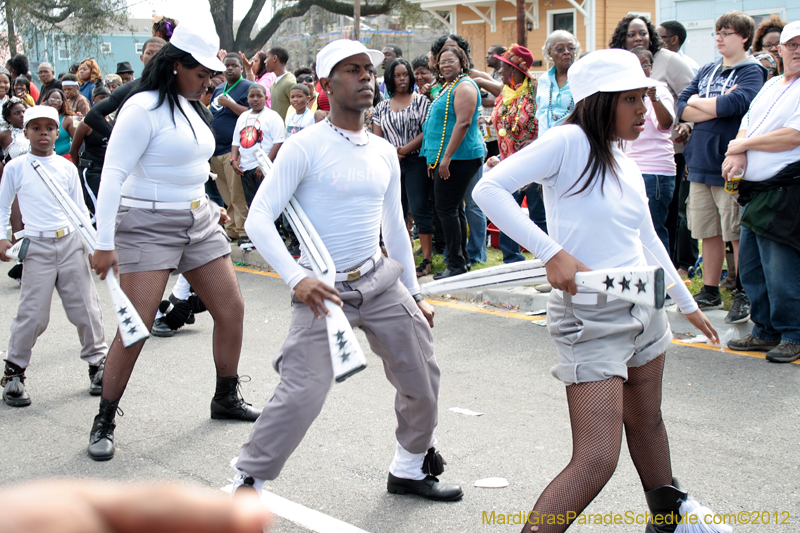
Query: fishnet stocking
[597, 413]
[216, 285]
[644, 427]
[144, 289]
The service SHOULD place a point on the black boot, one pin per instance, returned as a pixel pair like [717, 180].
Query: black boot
[13, 383]
[96, 378]
[664, 503]
[101, 439]
[228, 402]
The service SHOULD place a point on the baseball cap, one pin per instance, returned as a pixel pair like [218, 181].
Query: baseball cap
[334, 52]
[790, 31]
[40, 111]
[203, 47]
[606, 71]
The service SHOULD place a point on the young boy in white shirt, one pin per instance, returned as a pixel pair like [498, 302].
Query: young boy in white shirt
[299, 116]
[55, 258]
[259, 127]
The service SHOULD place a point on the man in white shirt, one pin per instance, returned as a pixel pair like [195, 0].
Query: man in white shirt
[348, 182]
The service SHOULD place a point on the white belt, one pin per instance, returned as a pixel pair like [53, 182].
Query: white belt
[155, 205]
[56, 234]
[586, 298]
[361, 270]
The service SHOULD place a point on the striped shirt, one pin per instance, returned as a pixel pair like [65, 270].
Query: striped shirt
[401, 127]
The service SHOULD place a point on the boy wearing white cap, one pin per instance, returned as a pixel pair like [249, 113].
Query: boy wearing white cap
[348, 182]
[610, 352]
[54, 258]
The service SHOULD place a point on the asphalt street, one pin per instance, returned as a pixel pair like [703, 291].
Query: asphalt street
[732, 419]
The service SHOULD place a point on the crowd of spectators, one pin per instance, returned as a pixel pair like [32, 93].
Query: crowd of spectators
[445, 118]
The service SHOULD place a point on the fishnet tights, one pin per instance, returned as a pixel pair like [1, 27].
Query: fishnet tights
[215, 283]
[598, 410]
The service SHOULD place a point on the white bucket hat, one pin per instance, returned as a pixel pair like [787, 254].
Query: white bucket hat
[606, 71]
[334, 52]
[203, 47]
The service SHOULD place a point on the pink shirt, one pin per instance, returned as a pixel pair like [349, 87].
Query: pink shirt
[653, 151]
[265, 81]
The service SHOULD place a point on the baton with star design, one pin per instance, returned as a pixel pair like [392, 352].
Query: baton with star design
[640, 285]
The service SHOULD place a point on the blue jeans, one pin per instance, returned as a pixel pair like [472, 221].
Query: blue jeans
[476, 220]
[536, 212]
[213, 193]
[419, 189]
[770, 275]
[659, 193]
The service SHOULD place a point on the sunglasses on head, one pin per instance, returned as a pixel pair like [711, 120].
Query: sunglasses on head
[305, 79]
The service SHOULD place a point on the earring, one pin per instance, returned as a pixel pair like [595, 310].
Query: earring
[175, 72]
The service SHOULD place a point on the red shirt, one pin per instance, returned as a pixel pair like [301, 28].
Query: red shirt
[517, 131]
[322, 100]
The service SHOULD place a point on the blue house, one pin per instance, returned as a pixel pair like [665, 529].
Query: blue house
[698, 16]
[119, 44]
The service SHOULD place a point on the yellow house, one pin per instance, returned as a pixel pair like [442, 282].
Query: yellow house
[484, 23]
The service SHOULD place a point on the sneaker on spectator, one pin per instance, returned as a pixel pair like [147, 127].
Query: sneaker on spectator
[245, 243]
[785, 352]
[295, 250]
[729, 283]
[740, 310]
[751, 344]
[708, 301]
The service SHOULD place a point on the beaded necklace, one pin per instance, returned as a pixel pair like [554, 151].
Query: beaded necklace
[506, 110]
[553, 117]
[450, 88]
[753, 131]
[340, 132]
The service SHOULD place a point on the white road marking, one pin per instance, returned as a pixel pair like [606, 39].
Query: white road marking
[302, 515]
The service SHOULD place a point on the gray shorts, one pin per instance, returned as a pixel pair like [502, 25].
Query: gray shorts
[601, 340]
[169, 239]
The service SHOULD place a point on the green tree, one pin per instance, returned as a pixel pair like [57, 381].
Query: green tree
[222, 13]
[83, 19]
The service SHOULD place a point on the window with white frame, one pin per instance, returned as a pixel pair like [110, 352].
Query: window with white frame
[764, 14]
[105, 48]
[139, 47]
[63, 50]
[561, 19]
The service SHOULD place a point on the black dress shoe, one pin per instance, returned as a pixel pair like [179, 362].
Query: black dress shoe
[430, 488]
[450, 272]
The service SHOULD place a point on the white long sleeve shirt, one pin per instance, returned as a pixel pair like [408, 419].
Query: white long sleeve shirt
[350, 194]
[152, 154]
[39, 209]
[608, 227]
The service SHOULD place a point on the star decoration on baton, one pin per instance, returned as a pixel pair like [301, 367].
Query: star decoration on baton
[626, 283]
[609, 282]
[641, 285]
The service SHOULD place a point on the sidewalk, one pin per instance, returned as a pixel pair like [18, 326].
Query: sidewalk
[528, 299]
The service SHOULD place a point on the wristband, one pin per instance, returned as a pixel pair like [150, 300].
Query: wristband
[233, 161]
[418, 297]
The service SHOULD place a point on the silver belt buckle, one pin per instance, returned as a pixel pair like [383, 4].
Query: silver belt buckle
[354, 274]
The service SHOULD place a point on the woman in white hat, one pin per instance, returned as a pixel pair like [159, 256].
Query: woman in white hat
[153, 219]
[610, 352]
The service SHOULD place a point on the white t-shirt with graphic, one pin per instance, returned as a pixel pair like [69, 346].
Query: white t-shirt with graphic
[295, 122]
[254, 130]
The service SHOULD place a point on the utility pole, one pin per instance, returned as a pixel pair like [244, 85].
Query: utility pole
[357, 20]
[522, 35]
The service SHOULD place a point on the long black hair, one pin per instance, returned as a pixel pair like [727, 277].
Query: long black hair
[388, 76]
[596, 116]
[158, 76]
[621, 31]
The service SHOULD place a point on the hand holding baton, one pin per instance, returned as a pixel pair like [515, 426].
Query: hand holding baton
[347, 357]
[132, 330]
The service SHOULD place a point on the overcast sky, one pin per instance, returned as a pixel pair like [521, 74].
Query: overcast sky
[189, 11]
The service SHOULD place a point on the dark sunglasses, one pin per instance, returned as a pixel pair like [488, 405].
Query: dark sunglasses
[305, 79]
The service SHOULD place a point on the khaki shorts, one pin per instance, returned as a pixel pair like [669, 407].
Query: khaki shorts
[169, 239]
[712, 211]
[598, 341]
